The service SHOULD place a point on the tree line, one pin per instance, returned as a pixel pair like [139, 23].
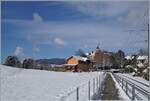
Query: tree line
[15, 62]
[30, 63]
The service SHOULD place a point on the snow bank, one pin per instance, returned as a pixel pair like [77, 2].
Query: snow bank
[28, 84]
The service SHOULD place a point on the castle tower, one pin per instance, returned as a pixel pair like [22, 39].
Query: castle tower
[98, 57]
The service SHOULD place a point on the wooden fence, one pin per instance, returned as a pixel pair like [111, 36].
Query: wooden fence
[133, 91]
[93, 86]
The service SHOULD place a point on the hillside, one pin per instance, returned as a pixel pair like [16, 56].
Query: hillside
[57, 61]
[28, 84]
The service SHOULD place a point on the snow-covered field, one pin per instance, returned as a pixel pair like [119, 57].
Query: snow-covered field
[28, 84]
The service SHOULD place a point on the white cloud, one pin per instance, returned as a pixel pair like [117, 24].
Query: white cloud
[100, 8]
[19, 51]
[37, 17]
[60, 42]
[128, 12]
[45, 39]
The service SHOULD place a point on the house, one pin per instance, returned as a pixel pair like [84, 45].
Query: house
[128, 57]
[77, 63]
[142, 61]
[97, 58]
[100, 58]
[131, 57]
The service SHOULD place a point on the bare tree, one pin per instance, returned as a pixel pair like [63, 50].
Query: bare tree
[28, 64]
[81, 53]
[12, 61]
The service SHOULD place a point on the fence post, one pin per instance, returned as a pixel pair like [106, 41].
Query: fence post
[89, 90]
[99, 81]
[77, 93]
[93, 86]
[126, 88]
[133, 92]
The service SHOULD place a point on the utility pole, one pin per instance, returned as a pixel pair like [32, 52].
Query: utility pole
[148, 51]
[148, 45]
[147, 22]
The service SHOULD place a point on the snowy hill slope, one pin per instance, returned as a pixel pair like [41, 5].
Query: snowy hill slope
[28, 84]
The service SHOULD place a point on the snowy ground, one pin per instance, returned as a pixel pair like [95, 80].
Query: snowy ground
[28, 84]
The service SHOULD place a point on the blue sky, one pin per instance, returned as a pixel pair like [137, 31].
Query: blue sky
[58, 29]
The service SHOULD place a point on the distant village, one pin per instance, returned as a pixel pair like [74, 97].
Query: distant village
[96, 60]
[103, 60]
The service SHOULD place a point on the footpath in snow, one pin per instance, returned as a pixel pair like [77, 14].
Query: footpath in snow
[109, 92]
[28, 84]
[112, 90]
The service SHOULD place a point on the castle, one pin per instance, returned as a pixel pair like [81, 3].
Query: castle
[98, 59]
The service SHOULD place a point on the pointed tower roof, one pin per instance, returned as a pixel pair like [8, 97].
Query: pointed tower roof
[97, 49]
[98, 46]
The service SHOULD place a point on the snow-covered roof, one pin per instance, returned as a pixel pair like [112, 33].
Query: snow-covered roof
[70, 64]
[138, 58]
[142, 57]
[128, 57]
[79, 58]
